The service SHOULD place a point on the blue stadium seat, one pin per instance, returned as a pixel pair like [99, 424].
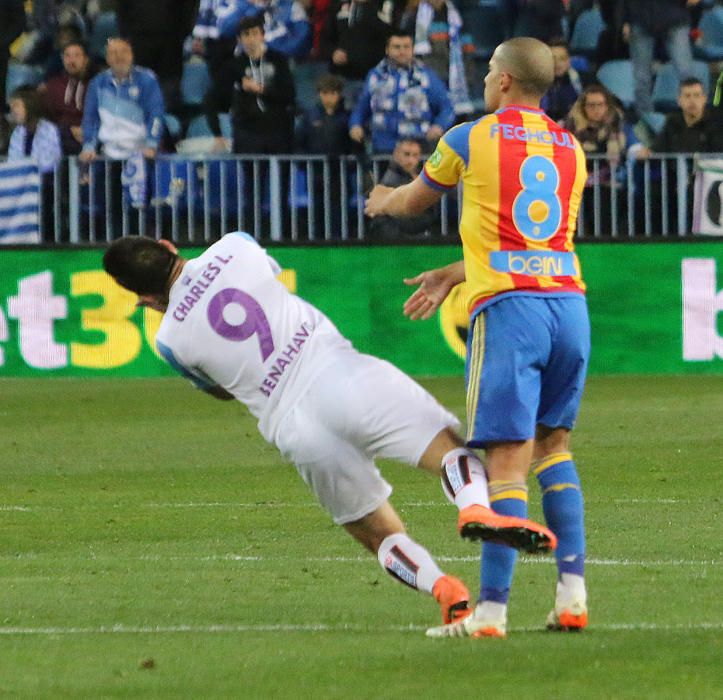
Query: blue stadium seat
[198, 126]
[665, 90]
[711, 25]
[173, 125]
[105, 26]
[617, 76]
[20, 74]
[586, 32]
[195, 82]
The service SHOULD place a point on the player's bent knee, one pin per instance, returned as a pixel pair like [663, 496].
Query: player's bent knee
[445, 441]
[549, 441]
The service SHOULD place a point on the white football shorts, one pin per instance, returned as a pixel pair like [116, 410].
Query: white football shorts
[358, 408]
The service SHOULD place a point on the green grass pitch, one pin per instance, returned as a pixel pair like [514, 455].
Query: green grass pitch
[154, 546]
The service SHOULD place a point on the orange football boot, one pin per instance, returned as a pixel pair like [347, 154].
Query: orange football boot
[479, 523]
[453, 598]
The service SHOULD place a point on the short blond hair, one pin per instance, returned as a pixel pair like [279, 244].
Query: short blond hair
[530, 62]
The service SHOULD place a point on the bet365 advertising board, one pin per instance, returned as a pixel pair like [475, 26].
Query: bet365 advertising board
[655, 308]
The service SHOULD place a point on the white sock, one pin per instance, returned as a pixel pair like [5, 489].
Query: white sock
[408, 562]
[464, 479]
[570, 589]
[489, 610]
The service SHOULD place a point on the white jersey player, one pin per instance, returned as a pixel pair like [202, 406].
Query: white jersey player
[235, 331]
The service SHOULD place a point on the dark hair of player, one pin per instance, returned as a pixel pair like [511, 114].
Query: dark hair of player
[139, 264]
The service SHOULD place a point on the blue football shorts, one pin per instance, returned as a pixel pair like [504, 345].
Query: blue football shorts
[527, 358]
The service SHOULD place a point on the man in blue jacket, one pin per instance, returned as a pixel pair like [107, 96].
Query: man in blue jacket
[123, 119]
[123, 108]
[402, 98]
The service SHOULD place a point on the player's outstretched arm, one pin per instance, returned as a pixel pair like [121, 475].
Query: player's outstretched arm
[407, 200]
[434, 286]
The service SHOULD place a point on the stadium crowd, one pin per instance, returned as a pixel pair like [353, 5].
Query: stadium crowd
[337, 77]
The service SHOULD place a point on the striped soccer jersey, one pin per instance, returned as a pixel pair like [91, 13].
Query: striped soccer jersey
[523, 178]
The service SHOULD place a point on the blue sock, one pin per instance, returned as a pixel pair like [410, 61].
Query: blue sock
[498, 560]
[564, 510]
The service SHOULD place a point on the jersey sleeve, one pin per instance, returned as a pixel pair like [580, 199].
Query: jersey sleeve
[203, 383]
[444, 168]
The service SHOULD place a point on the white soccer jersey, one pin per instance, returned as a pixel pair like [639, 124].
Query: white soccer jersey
[231, 323]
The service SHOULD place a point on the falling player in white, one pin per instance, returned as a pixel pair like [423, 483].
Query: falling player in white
[236, 332]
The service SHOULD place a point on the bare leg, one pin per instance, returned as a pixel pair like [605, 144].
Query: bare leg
[374, 528]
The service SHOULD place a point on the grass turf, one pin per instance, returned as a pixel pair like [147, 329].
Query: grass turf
[154, 546]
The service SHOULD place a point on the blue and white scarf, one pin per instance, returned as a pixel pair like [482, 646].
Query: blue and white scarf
[210, 14]
[400, 96]
[133, 179]
[458, 90]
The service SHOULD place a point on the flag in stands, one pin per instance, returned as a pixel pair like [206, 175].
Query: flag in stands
[19, 202]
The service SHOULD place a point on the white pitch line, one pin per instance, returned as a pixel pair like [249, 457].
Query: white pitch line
[315, 628]
[409, 504]
[312, 504]
[638, 563]
[475, 558]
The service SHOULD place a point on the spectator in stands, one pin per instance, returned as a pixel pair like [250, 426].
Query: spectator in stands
[123, 118]
[598, 124]
[401, 98]
[403, 168]
[65, 35]
[613, 41]
[132, 116]
[286, 24]
[47, 18]
[318, 17]
[156, 31]
[649, 21]
[12, 24]
[258, 87]
[541, 19]
[354, 40]
[324, 130]
[216, 49]
[38, 139]
[567, 86]
[440, 43]
[64, 96]
[695, 128]
[33, 137]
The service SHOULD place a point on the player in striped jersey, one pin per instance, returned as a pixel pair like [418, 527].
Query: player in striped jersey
[235, 331]
[528, 346]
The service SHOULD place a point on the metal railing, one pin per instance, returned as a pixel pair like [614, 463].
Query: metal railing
[312, 198]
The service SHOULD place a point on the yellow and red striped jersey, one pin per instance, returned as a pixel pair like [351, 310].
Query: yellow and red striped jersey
[522, 177]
